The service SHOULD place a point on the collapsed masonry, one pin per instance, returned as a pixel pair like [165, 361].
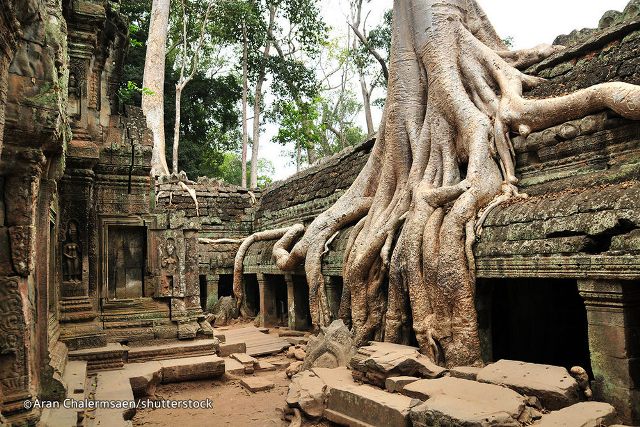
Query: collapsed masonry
[93, 255]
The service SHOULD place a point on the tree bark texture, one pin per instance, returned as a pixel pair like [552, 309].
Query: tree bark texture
[153, 103]
[443, 154]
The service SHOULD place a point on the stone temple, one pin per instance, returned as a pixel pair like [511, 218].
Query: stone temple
[105, 274]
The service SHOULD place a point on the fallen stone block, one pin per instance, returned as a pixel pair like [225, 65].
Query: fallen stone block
[455, 401]
[247, 361]
[293, 368]
[232, 366]
[281, 364]
[307, 392]
[553, 385]
[396, 384]
[378, 361]
[192, 368]
[263, 365]
[255, 384]
[297, 340]
[227, 349]
[583, 414]
[465, 372]
[352, 404]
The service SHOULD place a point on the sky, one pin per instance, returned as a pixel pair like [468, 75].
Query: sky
[529, 23]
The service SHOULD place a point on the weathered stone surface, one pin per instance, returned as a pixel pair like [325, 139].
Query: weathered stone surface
[375, 363]
[227, 349]
[293, 368]
[583, 414]
[332, 347]
[454, 401]
[465, 372]
[263, 365]
[307, 392]
[299, 354]
[352, 404]
[396, 384]
[247, 361]
[232, 366]
[256, 384]
[223, 311]
[192, 368]
[553, 385]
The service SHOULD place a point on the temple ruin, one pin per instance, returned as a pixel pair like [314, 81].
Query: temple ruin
[105, 271]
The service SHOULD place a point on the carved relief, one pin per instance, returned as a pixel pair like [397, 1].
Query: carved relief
[13, 375]
[72, 255]
[169, 262]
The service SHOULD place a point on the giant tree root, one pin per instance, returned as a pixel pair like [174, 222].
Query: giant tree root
[443, 154]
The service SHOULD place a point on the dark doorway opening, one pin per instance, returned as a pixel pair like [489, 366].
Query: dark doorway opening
[333, 288]
[301, 303]
[276, 310]
[252, 294]
[126, 261]
[225, 285]
[203, 291]
[536, 320]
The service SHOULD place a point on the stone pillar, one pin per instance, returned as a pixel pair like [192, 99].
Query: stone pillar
[291, 302]
[334, 295]
[213, 283]
[267, 302]
[613, 316]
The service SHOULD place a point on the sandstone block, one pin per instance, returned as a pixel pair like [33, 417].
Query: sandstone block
[553, 385]
[256, 384]
[396, 384]
[227, 349]
[454, 401]
[583, 414]
[465, 372]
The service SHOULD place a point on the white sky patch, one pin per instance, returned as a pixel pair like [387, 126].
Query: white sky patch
[528, 23]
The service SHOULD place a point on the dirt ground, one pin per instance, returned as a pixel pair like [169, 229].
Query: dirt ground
[233, 405]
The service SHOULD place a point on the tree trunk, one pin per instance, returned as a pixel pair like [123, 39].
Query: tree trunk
[441, 156]
[176, 127]
[153, 103]
[366, 101]
[245, 90]
[257, 107]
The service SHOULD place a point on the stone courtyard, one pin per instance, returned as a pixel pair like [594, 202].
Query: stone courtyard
[106, 272]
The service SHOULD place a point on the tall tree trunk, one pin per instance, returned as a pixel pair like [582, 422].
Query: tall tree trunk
[257, 107]
[176, 127]
[257, 111]
[245, 90]
[366, 102]
[442, 157]
[153, 103]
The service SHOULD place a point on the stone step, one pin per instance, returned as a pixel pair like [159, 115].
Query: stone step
[172, 351]
[111, 356]
[583, 414]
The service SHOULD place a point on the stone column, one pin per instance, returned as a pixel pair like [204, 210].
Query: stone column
[291, 302]
[334, 295]
[213, 284]
[267, 302]
[613, 316]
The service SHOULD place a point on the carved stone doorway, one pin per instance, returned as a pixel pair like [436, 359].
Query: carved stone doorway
[126, 260]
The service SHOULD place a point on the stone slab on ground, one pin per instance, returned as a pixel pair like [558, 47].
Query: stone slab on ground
[297, 340]
[263, 365]
[192, 368]
[396, 384]
[352, 404]
[227, 349]
[113, 386]
[257, 343]
[455, 401]
[75, 377]
[256, 384]
[307, 392]
[465, 372]
[247, 361]
[553, 385]
[290, 333]
[144, 377]
[378, 361]
[583, 414]
[232, 366]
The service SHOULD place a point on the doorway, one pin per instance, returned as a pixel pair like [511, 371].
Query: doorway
[126, 259]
